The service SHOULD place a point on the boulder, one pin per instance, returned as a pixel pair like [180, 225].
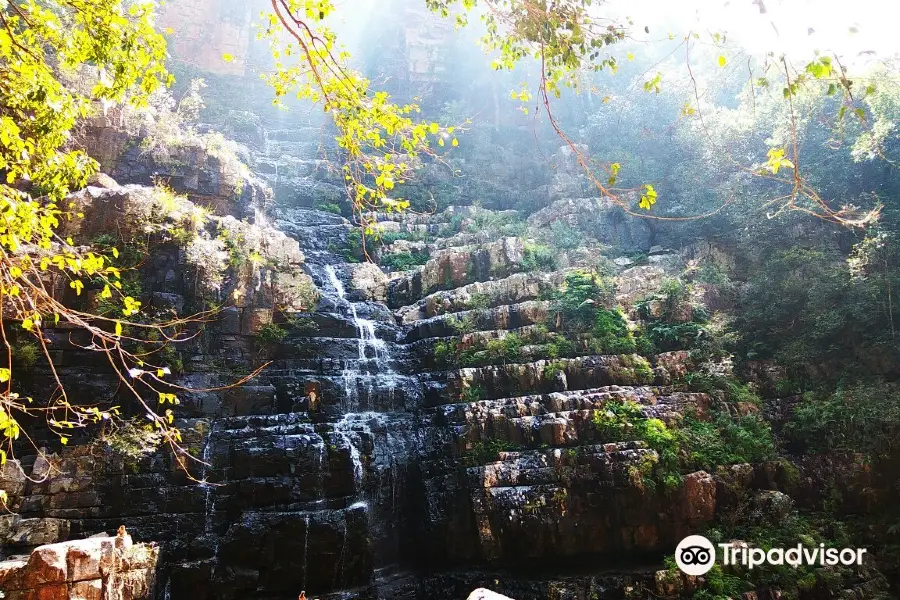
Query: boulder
[368, 281]
[485, 594]
[97, 568]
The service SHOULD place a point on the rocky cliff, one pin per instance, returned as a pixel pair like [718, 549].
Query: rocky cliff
[496, 403]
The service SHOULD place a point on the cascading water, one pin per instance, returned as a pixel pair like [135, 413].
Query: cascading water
[372, 354]
[205, 485]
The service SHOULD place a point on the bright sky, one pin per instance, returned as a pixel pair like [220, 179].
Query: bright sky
[848, 27]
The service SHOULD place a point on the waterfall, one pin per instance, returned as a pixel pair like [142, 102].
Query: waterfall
[209, 501]
[371, 351]
[305, 549]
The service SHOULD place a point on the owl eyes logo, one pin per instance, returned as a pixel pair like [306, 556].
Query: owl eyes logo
[695, 555]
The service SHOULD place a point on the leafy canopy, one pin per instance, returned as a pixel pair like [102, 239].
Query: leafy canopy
[382, 141]
[61, 62]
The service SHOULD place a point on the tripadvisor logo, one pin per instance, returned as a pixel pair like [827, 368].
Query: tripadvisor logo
[696, 555]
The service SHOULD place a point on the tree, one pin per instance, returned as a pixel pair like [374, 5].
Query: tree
[382, 141]
[59, 63]
[566, 41]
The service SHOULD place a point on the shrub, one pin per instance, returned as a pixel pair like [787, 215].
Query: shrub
[473, 393]
[171, 358]
[270, 333]
[726, 441]
[552, 369]
[624, 421]
[564, 236]
[303, 325]
[482, 453]
[504, 350]
[863, 417]
[479, 301]
[26, 354]
[132, 440]
[611, 334]
[577, 301]
[538, 258]
[403, 261]
[329, 207]
[445, 353]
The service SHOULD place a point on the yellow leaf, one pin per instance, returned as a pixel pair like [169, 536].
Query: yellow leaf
[63, 440]
[118, 328]
[455, 142]
[115, 252]
[722, 60]
[5, 374]
[228, 58]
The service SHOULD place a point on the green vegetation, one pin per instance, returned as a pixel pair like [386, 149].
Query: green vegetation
[26, 355]
[353, 251]
[474, 393]
[576, 302]
[329, 207]
[482, 452]
[673, 321]
[860, 417]
[539, 258]
[270, 333]
[564, 237]
[403, 261]
[735, 390]
[804, 310]
[503, 350]
[691, 445]
[625, 421]
[792, 582]
[725, 441]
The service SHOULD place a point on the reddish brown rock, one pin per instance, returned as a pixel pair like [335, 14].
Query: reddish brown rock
[101, 568]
